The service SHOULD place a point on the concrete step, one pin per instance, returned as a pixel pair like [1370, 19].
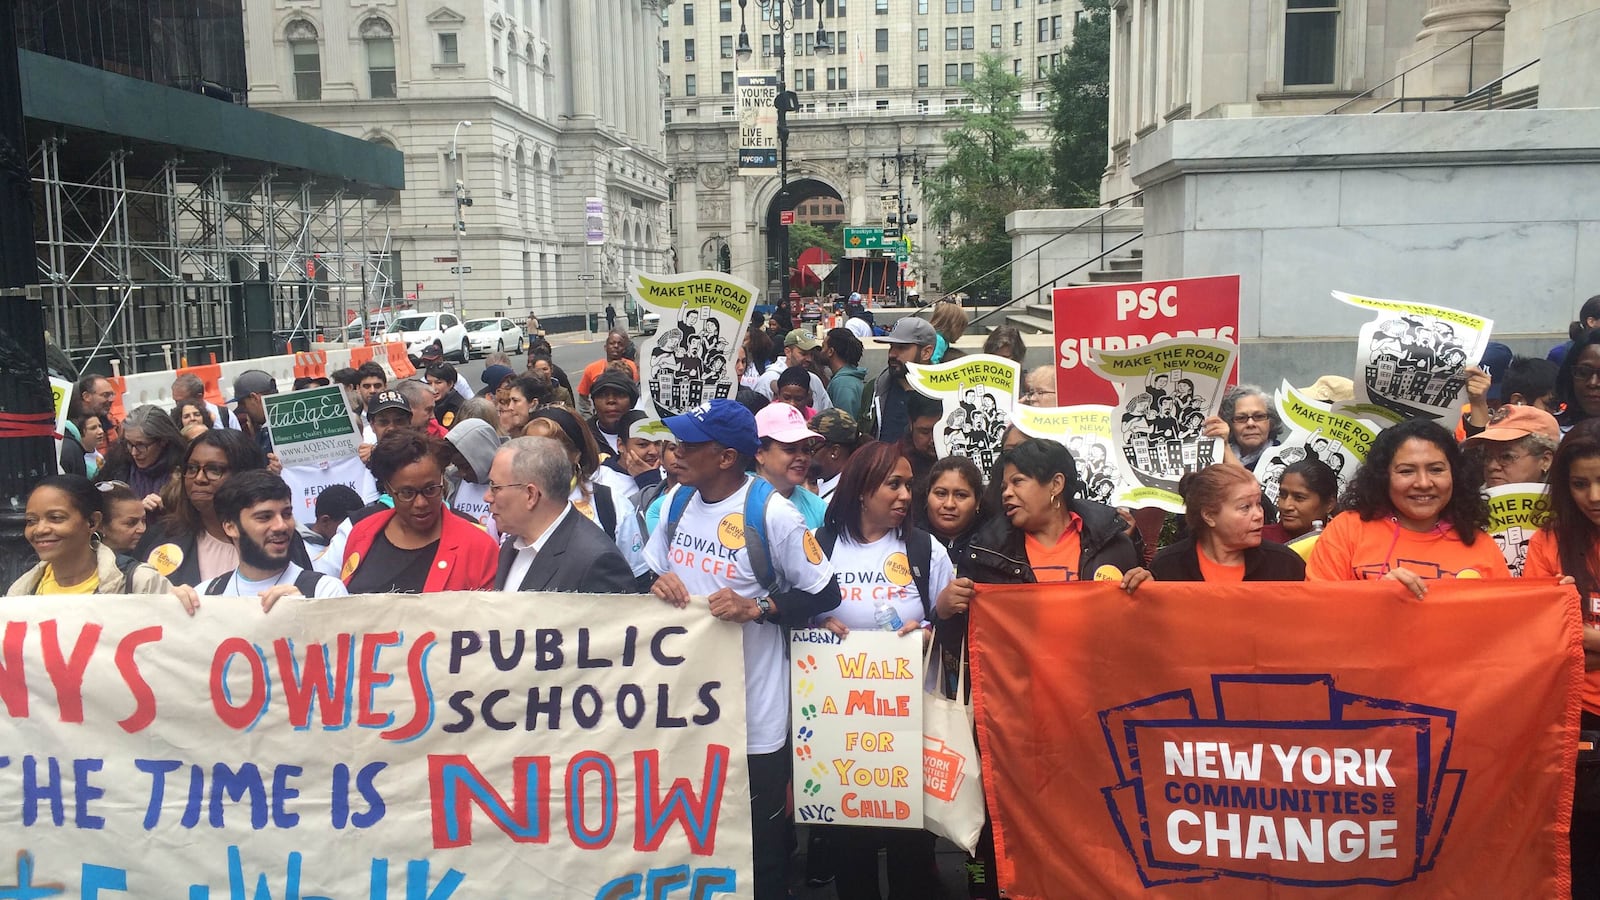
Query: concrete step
[1115, 276]
[1041, 310]
[1026, 323]
[1126, 264]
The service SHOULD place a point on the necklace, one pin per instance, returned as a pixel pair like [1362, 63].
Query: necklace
[238, 586]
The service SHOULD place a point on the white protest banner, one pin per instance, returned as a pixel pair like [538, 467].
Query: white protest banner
[1086, 433]
[857, 721]
[312, 426]
[757, 98]
[375, 747]
[1515, 512]
[1410, 356]
[1165, 392]
[689, 360]
[1313, 430]
[978, 393]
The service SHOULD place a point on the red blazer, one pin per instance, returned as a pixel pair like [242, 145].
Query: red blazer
[466, 561]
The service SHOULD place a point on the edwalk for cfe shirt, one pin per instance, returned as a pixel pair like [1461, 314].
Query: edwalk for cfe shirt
[881, 570]
[708, 553]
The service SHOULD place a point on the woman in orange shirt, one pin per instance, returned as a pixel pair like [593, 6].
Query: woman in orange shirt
[1569, 545]
[1222, 504]
[1413, 513]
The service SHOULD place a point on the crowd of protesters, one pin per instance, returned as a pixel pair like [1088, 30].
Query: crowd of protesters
[534, 482]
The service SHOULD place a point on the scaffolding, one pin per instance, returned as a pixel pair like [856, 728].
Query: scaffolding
[146, 262]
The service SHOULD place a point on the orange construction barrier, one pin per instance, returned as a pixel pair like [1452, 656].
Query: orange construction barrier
[211, 376]
[311, 364]
[359, 356]
[399, 362]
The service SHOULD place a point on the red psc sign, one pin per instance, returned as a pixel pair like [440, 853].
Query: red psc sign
[1124, 316]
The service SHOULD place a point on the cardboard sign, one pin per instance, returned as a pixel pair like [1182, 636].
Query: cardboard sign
[1515, 513]
[857, 720]
[1298, 736]
[312, 426]
[689, 360]
[1100, 317]
[1086, 433]
[978, 393]
[1410, 357]
[1165, 393]
[375, 747]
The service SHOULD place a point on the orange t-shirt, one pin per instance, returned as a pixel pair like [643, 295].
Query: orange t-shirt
[1351, 550]
[1060, 562]
[1544, 561]
[596, 369]
[1215, 571]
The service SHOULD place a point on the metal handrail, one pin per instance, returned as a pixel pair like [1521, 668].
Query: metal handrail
[1369, 92]
[1052, 282]
[1113, 204]
[1480, 89]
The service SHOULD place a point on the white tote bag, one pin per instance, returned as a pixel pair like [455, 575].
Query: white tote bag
[952, 783]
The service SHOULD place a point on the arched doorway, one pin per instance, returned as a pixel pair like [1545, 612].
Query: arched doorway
[792, 197]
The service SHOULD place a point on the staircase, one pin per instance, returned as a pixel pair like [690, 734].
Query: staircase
[1039, 318]
[1523, 98]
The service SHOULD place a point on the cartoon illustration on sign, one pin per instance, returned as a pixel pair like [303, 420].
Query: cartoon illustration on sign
[689, 360]
[978, 393]
[1410, 357]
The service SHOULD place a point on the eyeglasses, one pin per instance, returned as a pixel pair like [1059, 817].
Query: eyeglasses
[495, 489]
[408, 495]
[1038, 392]
[212, 471]
[1585, 374]
[1248, 418]
[1504, 459]
[683, 447]
[138, 446]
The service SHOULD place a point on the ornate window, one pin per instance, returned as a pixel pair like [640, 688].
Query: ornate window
[379, 40]
[305, 56]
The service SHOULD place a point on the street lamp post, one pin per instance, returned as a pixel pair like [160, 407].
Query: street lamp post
[780, 15]
[460, 227]
[903, 217]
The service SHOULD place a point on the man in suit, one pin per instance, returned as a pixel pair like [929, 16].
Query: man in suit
[548, 546]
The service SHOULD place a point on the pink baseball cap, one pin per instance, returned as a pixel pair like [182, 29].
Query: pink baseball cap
[784, 424]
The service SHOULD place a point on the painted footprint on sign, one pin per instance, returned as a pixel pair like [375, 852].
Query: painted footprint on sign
[813, 788]
[819, 770]
[807, 665]
[805, 686]
[804, 736]
[809, 711]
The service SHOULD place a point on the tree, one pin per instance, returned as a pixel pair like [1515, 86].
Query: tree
[803, 235]
[988, 174]
[1081, 101]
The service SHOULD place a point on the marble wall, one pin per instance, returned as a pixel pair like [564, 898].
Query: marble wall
[1490, 212]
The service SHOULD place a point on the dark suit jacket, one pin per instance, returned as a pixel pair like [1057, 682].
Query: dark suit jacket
[579, 557]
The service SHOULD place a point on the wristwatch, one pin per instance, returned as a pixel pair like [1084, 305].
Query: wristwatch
[765, 605]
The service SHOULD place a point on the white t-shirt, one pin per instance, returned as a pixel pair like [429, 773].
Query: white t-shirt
[881, 570]
[769, 381]
[858, 327]
[628, 538]
[238, 586]
[701, 555]
[621, 484]
[473, 500]
[826, 486]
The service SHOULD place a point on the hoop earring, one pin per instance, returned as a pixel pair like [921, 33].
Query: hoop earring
[94, 540]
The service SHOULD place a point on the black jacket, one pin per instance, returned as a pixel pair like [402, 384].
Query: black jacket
[998, 553]
[578, 557]
[1268, 562]
[72, 454]
[182, 548]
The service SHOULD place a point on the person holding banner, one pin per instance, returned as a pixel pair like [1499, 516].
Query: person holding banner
[61, 523]
[1413, 513]
[714, 443]
[552, 547]
[1047, 534]
[599, 494]
[1568, 544]
[1222, 504]
[417, 547]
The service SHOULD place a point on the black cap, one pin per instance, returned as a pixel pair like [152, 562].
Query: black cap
[387, 400]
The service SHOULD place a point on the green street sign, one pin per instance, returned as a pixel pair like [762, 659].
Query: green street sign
[863, 238]
[900, 253]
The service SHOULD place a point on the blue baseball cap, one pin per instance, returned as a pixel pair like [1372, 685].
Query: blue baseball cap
[724, 421]
[1496, 360]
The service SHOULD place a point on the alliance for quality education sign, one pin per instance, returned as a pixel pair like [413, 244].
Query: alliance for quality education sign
[311, 426]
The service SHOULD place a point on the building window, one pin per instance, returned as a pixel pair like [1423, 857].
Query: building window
[667, 116]
[688, 49]
[1311, 42]
[688, 86]
[379, 38]
[966, 72]
[1016, 34]
[1016, 67]
[952, 38]
[922, 106]
[922, 75]
[1044, 66]
[881, 39]
[766, 46]
[922, 7]
[967, 37]
[995, 35]
[724, 10]
[1044, 30]
[666, 51]
[881, 104]
[306, 59]
[881, 7]
[883, 76]
[951, 6]
[952, 74]
[727, 82]
[922, 39]
[725, 46]
[997, 5]
[688, 14]
[1055, 28]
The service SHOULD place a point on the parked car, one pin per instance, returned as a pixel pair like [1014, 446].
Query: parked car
[490, 335]
[811, 313]
[649, 323]
[418, 330]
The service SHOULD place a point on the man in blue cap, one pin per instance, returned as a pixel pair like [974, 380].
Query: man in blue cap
[776, 577]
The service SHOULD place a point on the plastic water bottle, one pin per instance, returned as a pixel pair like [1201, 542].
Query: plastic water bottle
[888, 619]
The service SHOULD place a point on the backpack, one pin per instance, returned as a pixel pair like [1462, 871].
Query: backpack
[605, 509]
[757, 548]
[919, 553]
[306, 584]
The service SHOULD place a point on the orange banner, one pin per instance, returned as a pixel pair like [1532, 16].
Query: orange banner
[1249, 741]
